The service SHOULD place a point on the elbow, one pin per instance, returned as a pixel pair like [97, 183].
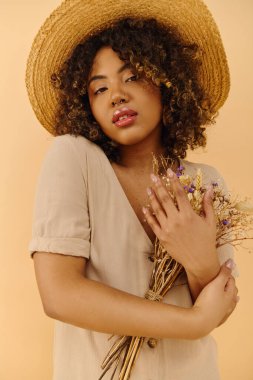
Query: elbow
[54, 311]
[199, 334]
[49, 311]
[51, 301]
[49, 308]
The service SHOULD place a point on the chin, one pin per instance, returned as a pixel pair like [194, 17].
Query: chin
[131, 140]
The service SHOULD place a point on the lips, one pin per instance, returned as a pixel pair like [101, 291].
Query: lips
[124, 111]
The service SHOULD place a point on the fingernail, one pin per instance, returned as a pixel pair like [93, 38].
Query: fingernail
[144, 210]
[170, 173]
[153, 177]
[210, 191]
[149, 191]
[230, 264]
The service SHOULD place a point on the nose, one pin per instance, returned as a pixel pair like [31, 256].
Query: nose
[121, 100]
[118, 96]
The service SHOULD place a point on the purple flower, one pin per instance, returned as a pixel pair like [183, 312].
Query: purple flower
[179, 170]
[225, 222]
[214, 183]
[191, 190]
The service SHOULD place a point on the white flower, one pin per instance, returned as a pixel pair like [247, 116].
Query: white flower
[190, 196]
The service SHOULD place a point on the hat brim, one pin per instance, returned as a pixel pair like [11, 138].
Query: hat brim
[74, 20]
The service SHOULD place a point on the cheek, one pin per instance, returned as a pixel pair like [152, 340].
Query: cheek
[154, 104]
[96, 108]
[99, 114]
[152, 95]
[94, 111]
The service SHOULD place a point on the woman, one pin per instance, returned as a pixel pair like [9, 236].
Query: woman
[125, 90]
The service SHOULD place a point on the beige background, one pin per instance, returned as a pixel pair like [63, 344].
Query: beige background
[25, 332]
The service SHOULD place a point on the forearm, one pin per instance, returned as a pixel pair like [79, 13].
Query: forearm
[197, 282]
[91, 305]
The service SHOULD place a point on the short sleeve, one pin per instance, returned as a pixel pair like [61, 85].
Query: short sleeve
[60, 216]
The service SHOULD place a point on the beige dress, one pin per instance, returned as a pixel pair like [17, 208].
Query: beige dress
[81, 210]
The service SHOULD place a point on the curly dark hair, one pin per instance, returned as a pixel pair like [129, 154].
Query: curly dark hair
[162, 57]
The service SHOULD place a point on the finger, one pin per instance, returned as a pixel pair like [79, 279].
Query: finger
[208, 205]
[156, 207]
[236, 297]
[232, 308]
[152, 221]
[230, 285]
[164, 196]
[225, 272]
[180, 194]
[228, 314]
[223, 321]
[234, 301]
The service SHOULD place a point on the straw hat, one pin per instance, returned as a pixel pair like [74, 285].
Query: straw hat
[74, 20]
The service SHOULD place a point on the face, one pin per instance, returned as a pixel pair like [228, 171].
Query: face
[112, 83]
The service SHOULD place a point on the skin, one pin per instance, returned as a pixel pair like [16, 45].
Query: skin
[62, 282]
[61, 278]
[142, 137]
[189, 238]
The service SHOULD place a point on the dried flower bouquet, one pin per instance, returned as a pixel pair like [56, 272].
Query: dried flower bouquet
[233, 222]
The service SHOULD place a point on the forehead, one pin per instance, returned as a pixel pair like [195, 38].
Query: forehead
[105, 58]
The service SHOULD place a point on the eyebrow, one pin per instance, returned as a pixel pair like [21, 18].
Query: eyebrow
[96, 77]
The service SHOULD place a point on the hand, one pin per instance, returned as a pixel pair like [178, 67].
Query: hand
[189, 238]
[217, 300]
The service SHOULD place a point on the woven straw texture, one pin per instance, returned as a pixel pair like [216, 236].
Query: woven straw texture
[75, 20]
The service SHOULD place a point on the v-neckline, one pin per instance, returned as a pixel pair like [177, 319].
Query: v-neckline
[129, 206]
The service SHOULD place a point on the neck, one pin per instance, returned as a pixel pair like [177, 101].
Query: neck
[138, 158]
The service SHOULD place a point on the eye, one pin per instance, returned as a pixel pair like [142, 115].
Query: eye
[133, 77]
[98, 91]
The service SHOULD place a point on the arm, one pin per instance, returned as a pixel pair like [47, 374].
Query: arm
[196, 284]
[67, 295]
[189, 238]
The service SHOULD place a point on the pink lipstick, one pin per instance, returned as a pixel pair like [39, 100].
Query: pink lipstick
[124, 116]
